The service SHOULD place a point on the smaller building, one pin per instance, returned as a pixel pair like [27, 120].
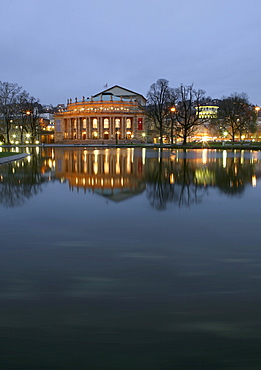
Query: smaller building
[208, 111]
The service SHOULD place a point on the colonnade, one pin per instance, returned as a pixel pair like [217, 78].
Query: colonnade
[99, 127]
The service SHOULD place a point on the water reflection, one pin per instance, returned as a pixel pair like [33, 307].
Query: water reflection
[115, 174]
[181, 177]
[89, 286]
[21, 180]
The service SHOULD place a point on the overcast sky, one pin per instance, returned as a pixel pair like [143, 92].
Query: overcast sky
[60, 49]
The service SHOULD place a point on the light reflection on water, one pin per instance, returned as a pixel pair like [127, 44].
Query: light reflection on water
[130, 259]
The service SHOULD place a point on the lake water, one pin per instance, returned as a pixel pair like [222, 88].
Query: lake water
[130, 259]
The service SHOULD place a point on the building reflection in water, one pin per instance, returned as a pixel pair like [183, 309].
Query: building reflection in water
[121, 173]
[115, 173]
[179, 176]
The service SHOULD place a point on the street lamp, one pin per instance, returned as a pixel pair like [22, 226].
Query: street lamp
[257, 109]
[173, 111]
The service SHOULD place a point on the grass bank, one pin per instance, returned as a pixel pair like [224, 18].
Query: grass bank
[7, 154]
[219, 145]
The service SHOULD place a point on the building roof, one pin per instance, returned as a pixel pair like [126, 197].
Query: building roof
[119, 91]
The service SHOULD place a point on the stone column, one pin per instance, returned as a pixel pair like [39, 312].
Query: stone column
[100, 127]
[134, 124]
[112, 125]
[69, 128]
[111, 128]
[78, 128]
[123, 120]
[87, 128]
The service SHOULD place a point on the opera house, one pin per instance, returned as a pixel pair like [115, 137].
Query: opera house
[113, 114]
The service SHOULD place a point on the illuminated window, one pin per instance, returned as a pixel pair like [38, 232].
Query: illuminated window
[106, 123]
[128, 123]
[117, 123]
[95, 123]
[84, 123]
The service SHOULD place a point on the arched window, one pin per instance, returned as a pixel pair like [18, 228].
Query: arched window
[95, 123]
[128, 123]
[106, 123]
[117, 122]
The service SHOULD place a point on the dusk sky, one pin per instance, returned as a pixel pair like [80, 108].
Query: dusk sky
[60, 49]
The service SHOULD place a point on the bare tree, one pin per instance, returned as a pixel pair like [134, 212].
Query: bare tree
[157, 104]
[33, 118]
[237, 115]
[22, 116]
[187, 112]
[172, 113]
[9, 94]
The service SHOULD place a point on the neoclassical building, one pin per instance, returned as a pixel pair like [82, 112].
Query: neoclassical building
[115, 113]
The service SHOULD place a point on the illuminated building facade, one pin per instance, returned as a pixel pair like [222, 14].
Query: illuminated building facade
[115, 113]
[204, 132]
[208, 111]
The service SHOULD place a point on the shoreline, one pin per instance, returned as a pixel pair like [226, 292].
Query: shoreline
[190, 146]
[217, 146]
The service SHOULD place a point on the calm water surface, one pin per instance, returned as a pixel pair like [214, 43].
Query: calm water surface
[131, 259]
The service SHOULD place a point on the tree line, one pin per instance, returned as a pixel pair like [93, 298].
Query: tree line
[177, 111]
[18, 110]
[20, 115]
